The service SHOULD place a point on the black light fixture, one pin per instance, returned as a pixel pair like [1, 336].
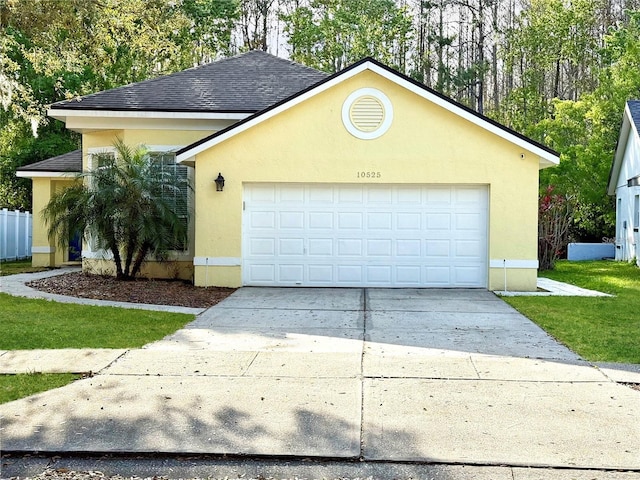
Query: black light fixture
[219, 182]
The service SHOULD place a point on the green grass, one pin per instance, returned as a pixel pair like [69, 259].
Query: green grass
[13, 387]
[19, 266]
[597, 328]
[27, 324]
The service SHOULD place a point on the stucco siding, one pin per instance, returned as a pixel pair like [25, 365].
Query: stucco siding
[46, 253]
[424, 145]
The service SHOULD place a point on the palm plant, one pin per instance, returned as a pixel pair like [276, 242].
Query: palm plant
[127, 205]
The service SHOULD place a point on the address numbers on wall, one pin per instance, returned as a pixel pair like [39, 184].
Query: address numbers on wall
[368, 174]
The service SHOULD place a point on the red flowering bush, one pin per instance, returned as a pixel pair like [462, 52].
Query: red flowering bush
[555, 214]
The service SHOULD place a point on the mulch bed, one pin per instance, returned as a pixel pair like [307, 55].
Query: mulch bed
[156, 292]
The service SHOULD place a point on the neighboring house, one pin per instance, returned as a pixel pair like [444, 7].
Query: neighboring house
[362, 178]
[624, 183]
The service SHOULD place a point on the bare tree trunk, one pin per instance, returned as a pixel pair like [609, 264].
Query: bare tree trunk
[479, 21]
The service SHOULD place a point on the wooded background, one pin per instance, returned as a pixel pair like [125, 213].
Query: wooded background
[558, 71]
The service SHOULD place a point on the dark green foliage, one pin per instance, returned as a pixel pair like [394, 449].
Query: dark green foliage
[128, 204]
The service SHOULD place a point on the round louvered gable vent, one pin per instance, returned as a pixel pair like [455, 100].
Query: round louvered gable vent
[367, 113]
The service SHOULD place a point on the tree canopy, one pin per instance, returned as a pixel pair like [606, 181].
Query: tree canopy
[558, 71]
[129, 205]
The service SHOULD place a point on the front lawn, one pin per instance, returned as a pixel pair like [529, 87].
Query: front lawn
[13, 387]
[19, 266]
[27, 324]
[597, 328]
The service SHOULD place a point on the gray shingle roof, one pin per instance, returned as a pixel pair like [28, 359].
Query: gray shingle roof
[248, 82]
[634, 108]
[67, 162]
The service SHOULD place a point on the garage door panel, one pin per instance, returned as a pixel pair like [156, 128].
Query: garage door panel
[468, 221]
[409, 221]
[263, 193]
[409, 248]
[379, 248]
[321, 274]
[409, 196]
[350, 221]
[350, 195]
[350, 247]
[291, 246]
[321, 246]
[438, 221]
[350, 274]
[262, 273]
[379, 221]
[468, 249]
[365, 235]
[291, 220]
[262, 247]
[291, 273]
[320, 195]
[467, 275]
[470, 195]
[438, 276]
[379, 274]
[293, 194]
[409, 275]
[440, 196]
[379, 195]
[321, 220]
[438, 249]
[263, 219]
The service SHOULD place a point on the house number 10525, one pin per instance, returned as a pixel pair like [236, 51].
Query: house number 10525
[368, 175]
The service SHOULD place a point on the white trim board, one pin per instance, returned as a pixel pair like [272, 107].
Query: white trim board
[43, 249]
[61, 113]
[44, 174]
[217, 261]
[511, 263]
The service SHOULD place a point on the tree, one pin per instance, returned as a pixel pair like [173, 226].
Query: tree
[52, 50]
[128, 205]
[586, 131]
[331, 34]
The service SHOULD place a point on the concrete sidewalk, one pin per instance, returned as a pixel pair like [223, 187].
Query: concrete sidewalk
[444, 376]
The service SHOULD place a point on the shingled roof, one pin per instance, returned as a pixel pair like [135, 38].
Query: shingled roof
[245, 83]
[67, 162]
[634, 110]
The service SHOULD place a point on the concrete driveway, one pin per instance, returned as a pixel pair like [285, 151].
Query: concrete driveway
[451, 376]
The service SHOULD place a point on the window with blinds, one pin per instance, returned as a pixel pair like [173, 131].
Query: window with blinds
[177, 189]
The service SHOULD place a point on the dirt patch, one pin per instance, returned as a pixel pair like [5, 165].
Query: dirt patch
[155, 292]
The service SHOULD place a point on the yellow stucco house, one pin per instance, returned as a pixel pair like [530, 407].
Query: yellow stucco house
[365, 178]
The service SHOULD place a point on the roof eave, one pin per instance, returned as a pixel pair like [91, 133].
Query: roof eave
[621, 146]
[45, 174]
[62, 114]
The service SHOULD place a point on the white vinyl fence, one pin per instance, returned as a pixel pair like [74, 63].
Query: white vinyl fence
[15, 235]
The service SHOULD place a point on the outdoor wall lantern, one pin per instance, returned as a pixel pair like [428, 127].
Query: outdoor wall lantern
[219, 182]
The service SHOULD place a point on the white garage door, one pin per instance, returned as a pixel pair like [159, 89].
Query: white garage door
[365, 235]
